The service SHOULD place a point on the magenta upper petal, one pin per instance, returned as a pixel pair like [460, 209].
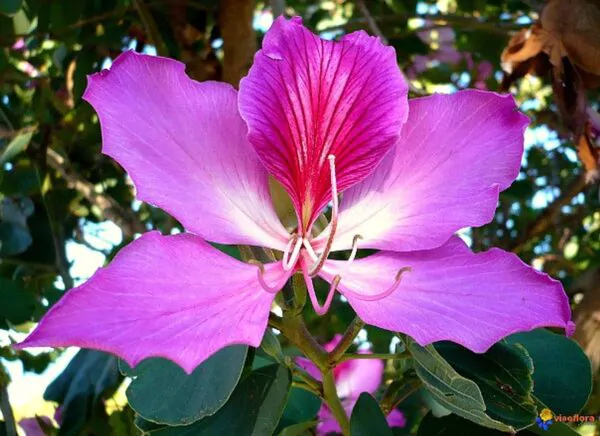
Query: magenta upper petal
[184, 145]
[306, 98]
[455, 154]
[453, 294]
[170, 296]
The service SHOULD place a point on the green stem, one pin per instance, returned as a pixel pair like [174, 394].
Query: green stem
[397, 392]
[382, 356]
[338, 352]
[333, 401]
[309, 380]
[295, 330]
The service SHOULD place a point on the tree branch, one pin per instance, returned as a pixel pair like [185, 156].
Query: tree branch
[375, 30]
[548, 217]
[5, 408]
[111, 210]
[441, 20]
[151, 27]
[239, 39]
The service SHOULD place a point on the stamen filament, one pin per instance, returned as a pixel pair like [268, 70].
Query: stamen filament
[320, 310]
[354, 248]
[310, 250]
[381, 295]
[261, 279]
[289, 260]
[334, 221]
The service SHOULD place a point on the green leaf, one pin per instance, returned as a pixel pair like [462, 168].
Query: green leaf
[503, 375]
[14, 233]
[561, 384]
[453, 391]
[298, 429]
[271, 346]
[89, 378]
[556, 429]
[17, 304]
[368, 419]
[184, 398]
[301, 406]
[254, 408]
[16, 146]
[10, 7]
[453, 425]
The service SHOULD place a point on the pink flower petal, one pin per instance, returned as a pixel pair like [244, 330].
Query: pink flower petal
[184, 145]
[396, 419]
[170, 296]
[456, 153]
[358, 376]
[453, 294]
[306, 98]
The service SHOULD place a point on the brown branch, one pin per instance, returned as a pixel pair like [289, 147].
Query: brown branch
[548, 217]
[151, 27]
[125, 219]
[375, 30]
[5, 408]
[239, 39]
[277, 7]
[442, 20]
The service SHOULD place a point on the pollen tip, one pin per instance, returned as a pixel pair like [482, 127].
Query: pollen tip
[401, 271]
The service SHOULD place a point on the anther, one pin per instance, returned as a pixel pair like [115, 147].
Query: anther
[320, 310]
[334, 220]
[289, 260]
[261, 278]
[354, 248]
[383, 294]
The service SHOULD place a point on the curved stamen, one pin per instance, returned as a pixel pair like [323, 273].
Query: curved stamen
[261, 278]
[354, 248]
[320, 310]
[334, 220]
[289, 260]
[383, 294]
[310, 250]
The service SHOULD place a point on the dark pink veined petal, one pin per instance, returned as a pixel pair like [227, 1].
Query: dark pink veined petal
[306, 98]
[455, 154]
[170, 296]
[184, 145]
[453, 294]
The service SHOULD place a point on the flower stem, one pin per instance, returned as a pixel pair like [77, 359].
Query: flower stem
[333, 401]
[315, 386]
[295, 330]
[382, 356]
[338, 352]
[399, 391]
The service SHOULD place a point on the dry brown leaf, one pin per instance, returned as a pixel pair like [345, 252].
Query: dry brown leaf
[570, 98]
[573, 30]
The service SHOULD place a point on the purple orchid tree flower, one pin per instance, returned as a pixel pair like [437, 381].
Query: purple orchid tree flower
[352, 378]
[321, 117]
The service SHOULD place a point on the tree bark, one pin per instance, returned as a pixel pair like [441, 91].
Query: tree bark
[239, 38]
